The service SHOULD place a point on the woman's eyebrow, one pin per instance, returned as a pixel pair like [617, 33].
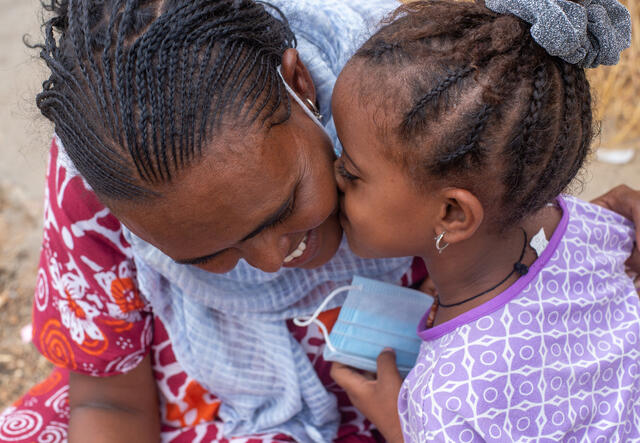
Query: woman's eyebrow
[270, 220]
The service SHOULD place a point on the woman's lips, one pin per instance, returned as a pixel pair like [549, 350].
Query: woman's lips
[305, 251]
[299, 251]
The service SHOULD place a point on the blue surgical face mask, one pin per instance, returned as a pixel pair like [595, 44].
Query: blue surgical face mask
[374, 316]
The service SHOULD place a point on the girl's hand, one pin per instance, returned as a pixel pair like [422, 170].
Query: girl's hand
[376, 396]
[626, 202]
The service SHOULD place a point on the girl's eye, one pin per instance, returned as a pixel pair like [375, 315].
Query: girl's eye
[344, 173]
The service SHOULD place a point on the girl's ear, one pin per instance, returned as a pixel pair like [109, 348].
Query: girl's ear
[296, 74]
[460, 215]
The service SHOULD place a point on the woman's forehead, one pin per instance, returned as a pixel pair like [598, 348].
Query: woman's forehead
[214, 203]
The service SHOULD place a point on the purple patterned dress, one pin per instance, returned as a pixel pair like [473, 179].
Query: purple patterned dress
[555, 357]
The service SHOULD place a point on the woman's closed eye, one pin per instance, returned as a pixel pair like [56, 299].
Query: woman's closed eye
[342, 171]
[281, 219]
[284, 216]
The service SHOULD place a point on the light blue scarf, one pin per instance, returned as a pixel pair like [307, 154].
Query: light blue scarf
[228, 330]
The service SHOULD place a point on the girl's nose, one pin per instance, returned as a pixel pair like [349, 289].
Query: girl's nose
[267, 252]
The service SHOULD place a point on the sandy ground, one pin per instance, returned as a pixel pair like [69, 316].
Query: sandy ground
[23, 143]
[24, 138]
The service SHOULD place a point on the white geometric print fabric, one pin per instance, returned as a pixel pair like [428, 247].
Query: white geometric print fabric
[553, 358]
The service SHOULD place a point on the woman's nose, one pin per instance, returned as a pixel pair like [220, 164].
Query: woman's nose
[267, 252]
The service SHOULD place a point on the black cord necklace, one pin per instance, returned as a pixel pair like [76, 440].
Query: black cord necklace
[518, 267]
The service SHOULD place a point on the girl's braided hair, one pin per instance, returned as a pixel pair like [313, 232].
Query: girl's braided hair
[483, 100]
[148, 82]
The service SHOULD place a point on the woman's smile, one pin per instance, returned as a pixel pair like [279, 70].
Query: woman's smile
[305, 251]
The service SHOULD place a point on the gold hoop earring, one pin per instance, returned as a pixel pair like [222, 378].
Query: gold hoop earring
[438, 238]
[314, 109]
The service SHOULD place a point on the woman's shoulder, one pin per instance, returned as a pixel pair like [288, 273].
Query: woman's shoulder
[328, 32]
[595, 237]
[72, 207]
[88, 314]
[334, 27]
[334, 19]
[586, 213]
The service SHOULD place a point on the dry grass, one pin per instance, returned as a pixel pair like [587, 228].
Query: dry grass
[617, 90]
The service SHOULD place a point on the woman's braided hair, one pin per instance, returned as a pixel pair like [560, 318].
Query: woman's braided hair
[148, 82]
[483, 100]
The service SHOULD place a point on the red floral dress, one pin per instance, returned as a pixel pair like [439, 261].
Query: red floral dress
[89, 317]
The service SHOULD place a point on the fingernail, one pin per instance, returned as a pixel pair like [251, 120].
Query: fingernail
[388, 350]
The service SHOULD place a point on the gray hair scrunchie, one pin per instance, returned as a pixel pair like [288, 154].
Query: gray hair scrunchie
[589, 34]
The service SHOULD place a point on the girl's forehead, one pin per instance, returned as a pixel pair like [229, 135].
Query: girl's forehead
[384, 89]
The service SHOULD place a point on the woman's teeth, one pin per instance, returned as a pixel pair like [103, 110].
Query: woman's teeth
[298, 252]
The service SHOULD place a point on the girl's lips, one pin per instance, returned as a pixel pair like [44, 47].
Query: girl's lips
[341, 214]
[310, 252]
[344, 221]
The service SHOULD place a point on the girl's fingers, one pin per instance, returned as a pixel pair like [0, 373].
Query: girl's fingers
[387, 368]
[348, 378]
[633, 262]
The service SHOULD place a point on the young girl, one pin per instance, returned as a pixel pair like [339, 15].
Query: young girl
[456, 148]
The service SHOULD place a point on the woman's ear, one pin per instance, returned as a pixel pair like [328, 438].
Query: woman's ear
[460, 215]
[297, 76]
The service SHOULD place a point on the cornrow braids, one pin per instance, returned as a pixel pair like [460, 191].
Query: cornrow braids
[479, 100]
[470, 150]
[137, 87]
[417, 115]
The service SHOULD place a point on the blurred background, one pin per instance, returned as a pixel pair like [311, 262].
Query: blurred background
[25, 137]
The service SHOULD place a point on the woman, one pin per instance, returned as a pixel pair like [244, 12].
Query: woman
[184, 161]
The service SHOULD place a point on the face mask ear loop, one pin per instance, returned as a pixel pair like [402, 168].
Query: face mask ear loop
[306, 321]
[299, 101]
